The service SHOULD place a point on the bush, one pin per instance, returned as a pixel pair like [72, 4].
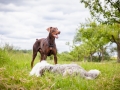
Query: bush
[4, 58]
[65, 57]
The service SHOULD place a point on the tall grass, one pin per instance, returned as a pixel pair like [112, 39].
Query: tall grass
[15, 68]
[4, 58]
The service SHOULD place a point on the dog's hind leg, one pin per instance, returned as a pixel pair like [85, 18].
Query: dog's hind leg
[42, 57]
[33, 57]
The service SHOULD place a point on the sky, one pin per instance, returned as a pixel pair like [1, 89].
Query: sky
[24, 21]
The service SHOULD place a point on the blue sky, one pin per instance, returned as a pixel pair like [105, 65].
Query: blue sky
[22, 21]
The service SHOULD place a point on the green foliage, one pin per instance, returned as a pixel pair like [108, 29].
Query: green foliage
[113, 33]
[4, 58]
[8, 47]
[94, 38]
[65, 56]
[98, 59]
[107, 11]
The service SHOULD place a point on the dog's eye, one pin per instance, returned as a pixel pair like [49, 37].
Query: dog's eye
[53, 30]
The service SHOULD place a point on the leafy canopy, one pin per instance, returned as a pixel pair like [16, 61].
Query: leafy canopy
[106, 11]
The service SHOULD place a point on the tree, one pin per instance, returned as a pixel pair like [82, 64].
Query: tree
[81, 52]
[114, 36]
[108, 12]
[94, 38]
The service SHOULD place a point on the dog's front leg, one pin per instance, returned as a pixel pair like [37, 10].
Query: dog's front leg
[44, 57]
[55, 59]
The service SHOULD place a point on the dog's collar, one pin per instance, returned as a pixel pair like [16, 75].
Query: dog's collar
[51, 45]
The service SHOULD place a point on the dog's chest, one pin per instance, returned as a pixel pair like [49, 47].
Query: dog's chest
[51, 51]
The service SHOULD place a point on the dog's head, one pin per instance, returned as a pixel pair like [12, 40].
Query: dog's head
[54, 31]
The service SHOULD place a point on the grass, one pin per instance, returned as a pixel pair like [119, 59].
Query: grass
[15, 68]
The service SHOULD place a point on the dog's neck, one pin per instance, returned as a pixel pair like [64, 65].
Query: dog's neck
[51, 40]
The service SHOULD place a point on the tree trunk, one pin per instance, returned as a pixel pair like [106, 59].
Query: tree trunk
[102, 57]
[77, 57]
[102, 54]
[118, 53]
[85, 59]
[91, 57]
[99, 56]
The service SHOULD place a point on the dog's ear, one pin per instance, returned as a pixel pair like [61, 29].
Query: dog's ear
[48, 29]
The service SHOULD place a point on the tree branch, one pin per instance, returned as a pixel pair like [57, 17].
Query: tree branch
[114, 39]
[114, 5]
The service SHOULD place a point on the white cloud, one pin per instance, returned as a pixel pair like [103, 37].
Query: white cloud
[22, 21]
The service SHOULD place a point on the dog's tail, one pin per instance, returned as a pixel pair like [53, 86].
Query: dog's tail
[37, 39]
[92, 74]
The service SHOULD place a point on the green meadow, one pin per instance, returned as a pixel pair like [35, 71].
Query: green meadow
[15, 68]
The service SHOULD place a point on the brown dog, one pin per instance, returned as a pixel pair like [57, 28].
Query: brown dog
[46, 46]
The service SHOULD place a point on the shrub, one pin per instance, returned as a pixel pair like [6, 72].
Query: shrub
[4, 58]
[66, 57]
